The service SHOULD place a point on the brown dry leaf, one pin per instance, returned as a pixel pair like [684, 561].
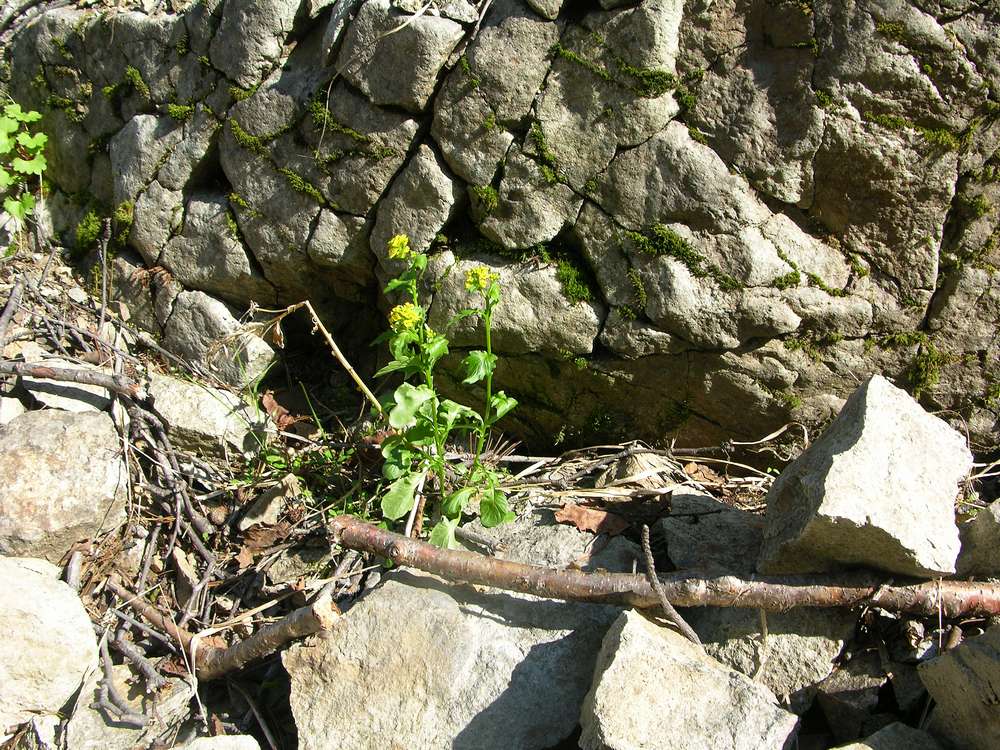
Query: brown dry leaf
[702, 474]
[258, 538]
[278, 413]
[173, 665]
[244, 558]
[591, 519]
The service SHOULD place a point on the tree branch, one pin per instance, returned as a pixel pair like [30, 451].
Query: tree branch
[117, 383]
[683, 589]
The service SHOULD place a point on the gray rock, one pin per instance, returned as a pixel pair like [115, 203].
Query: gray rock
[73, 397]
[481, 100]
[962, 683]
[409, 59]
[849, 697]
[201, 419]
[193, 154]
[63, 480]
[267, 508]
[340, 244]
[10, 409]
[547, 8]
[876, 489]
[89, 728]
[980, 555]
[480, 688]
[896, 736]
[532, 316]
[229, 742]
[137, 151]
[250, 38]
[531, 208]
[204, 331]
[707, 705]
[704, 534]
[48, 644]
[420, 201]
[156, 216]
[208, 254]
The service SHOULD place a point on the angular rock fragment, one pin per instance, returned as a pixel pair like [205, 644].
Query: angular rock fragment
[980, 555]
[896, 736]
[446, 666]
[849, 696]
[677, 697]
[48, 644]
[964, 685]
[876, 489]
[62, 479]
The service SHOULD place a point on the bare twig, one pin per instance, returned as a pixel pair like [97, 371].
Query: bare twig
[116, 383]
[668, 609]
[110, 699]
[8, 311]
[683, 589]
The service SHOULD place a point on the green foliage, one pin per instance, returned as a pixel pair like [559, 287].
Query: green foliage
[644, 82]
[575, 286]
[891, 30]
[685, 97]
[122, 218]
[487, 197]
[250, 142]
[939, 137]
[180, 112]
[788, 280]
[978, 206]
[463, 63]
[824, 98]
[240, 94]
[549, 165]
[635, 278]
[323, 118]
[182, 45]
[816, 281]
[134, 78]
[925, 372]
[664, 241]
[22, 158]
[696, 135]
[490, 122]
[415, 455]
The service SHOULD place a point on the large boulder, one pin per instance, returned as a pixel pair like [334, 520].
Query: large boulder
[62, 479]
[876, 489]
[48, 645]
[705, 705]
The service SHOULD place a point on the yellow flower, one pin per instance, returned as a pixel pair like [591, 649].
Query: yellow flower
[478, 279]
[405, 317]
[399, 247]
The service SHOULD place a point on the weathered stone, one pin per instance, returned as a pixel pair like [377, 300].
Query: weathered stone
[192, 155]
[74, 397]
[340, 244]
[547, 8]
[250, 38]
[202, 419]
[963, 683]
[705, 534]
[531, 208]
[10, 409]
[89, 728]
[137, 151]
[876, 489]
[156, 216]
[409, 59]
[205, 332]
[534, 314]
[228, 742]
[63, 480]
[637, 659]
[896, 736]
[267, 508]
[208, 254]
[480, 687]
[980, 555]
[849, 696]
[418, 204]
[48, 644]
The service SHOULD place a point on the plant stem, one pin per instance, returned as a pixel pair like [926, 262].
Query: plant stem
[487, 320]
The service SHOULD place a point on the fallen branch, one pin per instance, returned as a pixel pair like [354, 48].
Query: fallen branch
[213, 663]
[682, 589]
[117, 383]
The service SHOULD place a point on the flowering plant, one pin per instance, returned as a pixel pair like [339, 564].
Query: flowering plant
[424, 422]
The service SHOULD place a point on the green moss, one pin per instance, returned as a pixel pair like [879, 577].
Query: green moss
[240, 94]
[323, 118]
[558, 50]
[940, 137]
[978, 206]
[60, 45]
[816, 281]
[181, 45]
[122, 219]
[811, 44]
[902, 339]
[463, 63]
[674, 414]
[590, 186]
[235, 199]
[859, 268]
[574, 283]
[134, 78]
[300, 185]
[824, 98]
[204, 61]
[791, 279]
[250, 142]
[87, 232]
[649, 83]
[490, 122]
[70, 108]
[891, 30]
[487, 198]
[992, 395]
[180, 112]
[635, 279]
[925, 372]
[890, 122]
[542, 149]
[697, 135]
[663, 241]
[685, 97]
[231, 226]
[628, 312]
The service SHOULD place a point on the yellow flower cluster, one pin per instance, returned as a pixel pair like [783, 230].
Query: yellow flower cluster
[405, 317]
[399, 247]
[478, 279]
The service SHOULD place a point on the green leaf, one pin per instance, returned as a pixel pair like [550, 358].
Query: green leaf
[421, 434]
[398, 501]
[461, 315]
[30, 166]
[455, 503]
[478, 364]
[418, 262]
[392, 367]
[408, 399]
[501, 404]
[493, 509]
[14, 208]
[443, 534]
[15, 112]
[395, 284]
[8, 125]
[435, 348]
[6, 143]
[493, 295]
[33, 142]
[6, 179]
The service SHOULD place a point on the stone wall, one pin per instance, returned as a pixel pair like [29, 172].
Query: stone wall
[710, 217]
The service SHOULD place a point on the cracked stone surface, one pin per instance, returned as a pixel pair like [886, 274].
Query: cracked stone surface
[820, 179]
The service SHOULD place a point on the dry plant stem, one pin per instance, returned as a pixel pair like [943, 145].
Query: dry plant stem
[9, 308]
[213, 663]
[154, 680]
[683, 589]
[115, 383]
[668, 609]
[110, 699]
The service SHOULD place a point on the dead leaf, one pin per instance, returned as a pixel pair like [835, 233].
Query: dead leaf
[278, 413]
[591, 519]
[259, 538]
[702, 474]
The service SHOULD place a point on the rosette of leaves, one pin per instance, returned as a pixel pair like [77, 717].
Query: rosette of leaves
[424, 422]
[21, 158]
